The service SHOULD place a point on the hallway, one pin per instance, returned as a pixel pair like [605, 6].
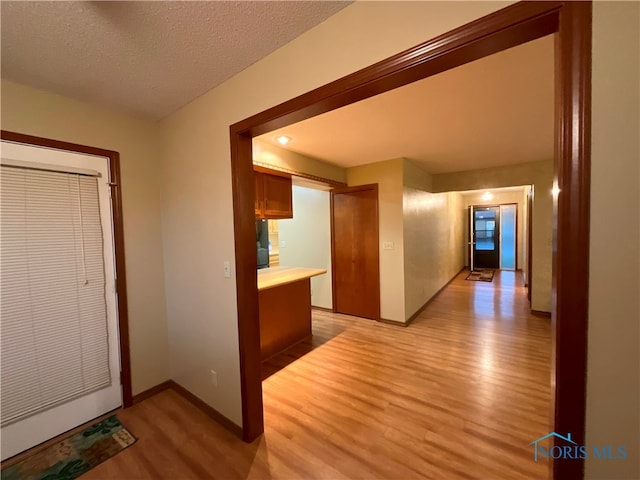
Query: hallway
[460, 393]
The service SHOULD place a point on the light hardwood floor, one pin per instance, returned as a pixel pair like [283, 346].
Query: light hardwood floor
[458, 394]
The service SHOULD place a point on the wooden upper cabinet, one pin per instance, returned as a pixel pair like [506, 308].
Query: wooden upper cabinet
[273, 194]
[259, 194]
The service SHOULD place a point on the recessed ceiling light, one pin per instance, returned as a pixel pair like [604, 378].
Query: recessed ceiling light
[283, 139]
[487, 196]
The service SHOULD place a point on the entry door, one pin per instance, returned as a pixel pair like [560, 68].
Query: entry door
[486, 237]
[355, 251]
[60, 349]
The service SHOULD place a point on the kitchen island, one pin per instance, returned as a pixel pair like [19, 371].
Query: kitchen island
[284, 298]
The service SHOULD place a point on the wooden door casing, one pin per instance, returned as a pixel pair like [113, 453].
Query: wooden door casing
[355, 252]
[257, 176]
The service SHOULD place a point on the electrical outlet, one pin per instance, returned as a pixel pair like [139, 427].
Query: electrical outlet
[227, 269]
[214, 378]
[283, 244]
[387, 245]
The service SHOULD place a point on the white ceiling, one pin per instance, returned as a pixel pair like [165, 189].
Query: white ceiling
[496, 111]
[146, 57]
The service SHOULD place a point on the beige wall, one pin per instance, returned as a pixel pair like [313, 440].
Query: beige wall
[538, 174]
[388, 176]
[426, 230]
[499, 197]
[197, 202]
[613, 368]
[197, 137]
[30, 111]
[433, 244]
[265, 153]
[433, 226]
[307, 240]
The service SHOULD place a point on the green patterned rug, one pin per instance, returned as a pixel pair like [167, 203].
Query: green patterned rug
[75, 455]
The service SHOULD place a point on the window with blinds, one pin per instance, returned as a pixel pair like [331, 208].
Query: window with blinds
[52, 290]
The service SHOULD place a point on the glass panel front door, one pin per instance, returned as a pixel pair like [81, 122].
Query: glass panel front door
[486, 228]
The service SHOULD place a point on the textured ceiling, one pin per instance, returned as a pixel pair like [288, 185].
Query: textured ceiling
[150, 58]
[496, 111]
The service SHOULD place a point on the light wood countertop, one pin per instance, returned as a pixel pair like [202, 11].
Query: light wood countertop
[275, 276]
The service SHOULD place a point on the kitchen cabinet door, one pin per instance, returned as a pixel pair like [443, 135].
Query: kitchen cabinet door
[273, 196]
[278, 201]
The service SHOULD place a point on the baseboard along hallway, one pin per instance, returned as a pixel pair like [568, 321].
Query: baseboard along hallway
[460, 393]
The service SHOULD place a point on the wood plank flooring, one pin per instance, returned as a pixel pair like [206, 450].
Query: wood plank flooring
[460, 393]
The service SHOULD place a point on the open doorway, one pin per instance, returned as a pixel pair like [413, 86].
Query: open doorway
[523, 22]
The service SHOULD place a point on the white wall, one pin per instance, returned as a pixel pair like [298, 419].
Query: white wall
[34, 112]
[307, 240]
[499, 197]
[388, 176]
[538, 174]
[613, 367]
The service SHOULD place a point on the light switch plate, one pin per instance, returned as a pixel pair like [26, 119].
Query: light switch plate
[387, 245]
[227, 269]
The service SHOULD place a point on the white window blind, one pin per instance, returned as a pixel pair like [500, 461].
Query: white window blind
[52, 290]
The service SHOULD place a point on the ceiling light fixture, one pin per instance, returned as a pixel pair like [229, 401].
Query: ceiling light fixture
[283, 139]
[487, 196]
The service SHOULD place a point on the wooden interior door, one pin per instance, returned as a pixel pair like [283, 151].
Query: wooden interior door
[355, 253]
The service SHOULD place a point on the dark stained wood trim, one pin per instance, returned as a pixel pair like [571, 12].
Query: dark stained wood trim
[322, 309]
[243, 186]
[270, 171]
[197, 402]
[150, 392]
[529, 241]
[297, 173]
[469, 239]
[570, 281]
[355, 188]
[506, 28]
[118, 237]
[208, 409]
[332, 234]
[395, 323]
[517, 237]
[435, 295]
